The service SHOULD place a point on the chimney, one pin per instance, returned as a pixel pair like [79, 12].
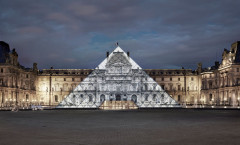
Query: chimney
[107, 53]
[199, 69]
[128, 53]
[217, 64]
[35, 69]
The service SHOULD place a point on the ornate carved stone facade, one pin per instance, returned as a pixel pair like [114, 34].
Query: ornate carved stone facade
[217, 85]
[220, 84]
[17, 84]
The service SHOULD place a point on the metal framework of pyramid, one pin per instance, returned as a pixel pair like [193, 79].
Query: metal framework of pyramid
[118, 77]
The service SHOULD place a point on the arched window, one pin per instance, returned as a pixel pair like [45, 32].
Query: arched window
[118, 97]
[162, 98]
[134, 98]
[27, 97]
[102, 98]
[154, 97]
[90, 98]
[146, 97]
[210, 97]
[146, 87]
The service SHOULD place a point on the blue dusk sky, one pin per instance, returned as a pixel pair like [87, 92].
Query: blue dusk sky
[164, 34]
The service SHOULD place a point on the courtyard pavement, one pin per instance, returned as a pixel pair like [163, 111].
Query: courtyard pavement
[136, 127]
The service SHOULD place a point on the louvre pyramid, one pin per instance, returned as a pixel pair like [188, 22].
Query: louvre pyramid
[118, 77]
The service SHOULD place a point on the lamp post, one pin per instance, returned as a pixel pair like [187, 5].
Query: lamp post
[202, 100]
[6, 102]
[238, 100]
[15, 104]
[11, 102]
[23, 103]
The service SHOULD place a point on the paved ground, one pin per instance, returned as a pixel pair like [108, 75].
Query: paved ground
[139, 127]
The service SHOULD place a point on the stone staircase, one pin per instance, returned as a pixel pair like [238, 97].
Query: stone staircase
[118, 105]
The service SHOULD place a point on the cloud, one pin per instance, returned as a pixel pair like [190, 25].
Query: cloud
[159, 34]
[81, 9]
[32, 30]
[59, 17]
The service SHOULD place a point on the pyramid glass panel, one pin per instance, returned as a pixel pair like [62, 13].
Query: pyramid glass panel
[118, 82]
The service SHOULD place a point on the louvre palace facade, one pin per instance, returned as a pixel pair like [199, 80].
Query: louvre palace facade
[218, 85]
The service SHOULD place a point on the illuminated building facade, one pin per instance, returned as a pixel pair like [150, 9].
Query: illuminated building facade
[216, 85]
[17, 84]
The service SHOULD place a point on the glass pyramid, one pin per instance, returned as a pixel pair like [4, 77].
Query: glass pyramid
[118, 78]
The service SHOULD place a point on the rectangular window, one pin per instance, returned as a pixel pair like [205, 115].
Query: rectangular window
[238, 81]
[162, 87]
[178, 79]
[73, 79]
[179, 87]
[237, 69]
[56, 98]
[64, 79]
[1, 81]
[210, 97]
[162, 79]
[1, 70]
[170, 79]
[27, 98]
[192, 78]
[179, 98]
[210, 85]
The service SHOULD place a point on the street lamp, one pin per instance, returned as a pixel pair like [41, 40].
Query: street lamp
[202, 100]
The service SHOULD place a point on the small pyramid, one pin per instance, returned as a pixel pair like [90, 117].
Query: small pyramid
[118, 78]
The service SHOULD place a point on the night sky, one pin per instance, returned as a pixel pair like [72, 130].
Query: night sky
[158, 33]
